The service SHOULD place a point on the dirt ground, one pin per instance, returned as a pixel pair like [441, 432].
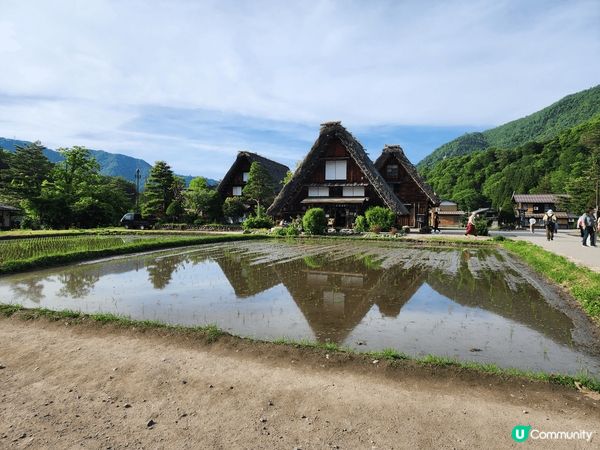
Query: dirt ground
[66, 385]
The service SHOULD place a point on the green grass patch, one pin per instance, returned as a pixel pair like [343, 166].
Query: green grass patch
[26, 254]
[582, 283]
[212, 333]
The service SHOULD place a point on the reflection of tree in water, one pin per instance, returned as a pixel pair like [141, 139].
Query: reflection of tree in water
[31, 289]
[161, 271]
[492, 291]
[77, 284]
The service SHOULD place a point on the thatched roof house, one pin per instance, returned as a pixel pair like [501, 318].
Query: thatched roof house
[338, 176]
[407, 184]
[236, 177]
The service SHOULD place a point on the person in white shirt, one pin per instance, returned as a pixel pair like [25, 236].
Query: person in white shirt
[532, 222]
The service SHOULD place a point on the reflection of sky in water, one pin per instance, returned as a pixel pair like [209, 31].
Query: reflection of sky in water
[433, 324]
[250, 292]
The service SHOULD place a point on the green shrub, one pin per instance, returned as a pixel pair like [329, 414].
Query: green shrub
[292, 230]
[314, 221]
[380, 218]
[258, 221]
[360, 224]
[481, 227]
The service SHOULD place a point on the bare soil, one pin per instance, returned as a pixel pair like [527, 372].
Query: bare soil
[66, 385]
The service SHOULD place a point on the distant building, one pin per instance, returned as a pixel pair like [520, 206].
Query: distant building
[9, 217]
[232, 184]
[338, 176]
[449, 214]
[535, 205]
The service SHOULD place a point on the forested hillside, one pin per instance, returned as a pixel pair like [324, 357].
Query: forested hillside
[567, 163]
[111, 164]
[540, 127]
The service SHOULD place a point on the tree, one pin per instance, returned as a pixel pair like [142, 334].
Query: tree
[233, 208]
[591, 140]
[5, 177]
[260, 187]
[159, 186]
[203, 200]
[28, 169]
[288, 177]
[175, 210]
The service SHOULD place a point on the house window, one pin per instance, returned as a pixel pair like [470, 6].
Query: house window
[318, 191]
[354, 191]
[392, 171]
[335, 170]
[237, 190]
[245, 176]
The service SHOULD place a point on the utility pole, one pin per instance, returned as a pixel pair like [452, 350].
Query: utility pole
[138, 176]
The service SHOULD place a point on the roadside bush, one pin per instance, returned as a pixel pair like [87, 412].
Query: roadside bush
[481, 226]
[288, 231]
[30, 223]
[360, 224]
[380, 218]
[292, 230]
[257, 221]
[314, 221]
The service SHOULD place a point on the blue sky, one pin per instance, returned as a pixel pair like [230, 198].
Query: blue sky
[193, 82]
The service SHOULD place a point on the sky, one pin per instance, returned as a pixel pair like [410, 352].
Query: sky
[194, 82]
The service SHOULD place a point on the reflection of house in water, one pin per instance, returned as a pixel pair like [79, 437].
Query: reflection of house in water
[246, 279]
[335, 296]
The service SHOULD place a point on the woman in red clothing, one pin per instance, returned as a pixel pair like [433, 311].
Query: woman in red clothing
[471, 225]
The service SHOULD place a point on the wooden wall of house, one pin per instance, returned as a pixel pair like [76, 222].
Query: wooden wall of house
[337, 151]
[240, 166]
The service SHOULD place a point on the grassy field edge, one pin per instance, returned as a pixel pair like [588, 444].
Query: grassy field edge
[133, 247]
[579, 281]
[211, 333]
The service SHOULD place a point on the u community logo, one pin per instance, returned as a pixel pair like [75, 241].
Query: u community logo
[520, 433]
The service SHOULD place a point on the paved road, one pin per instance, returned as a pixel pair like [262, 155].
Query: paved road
[566, 243]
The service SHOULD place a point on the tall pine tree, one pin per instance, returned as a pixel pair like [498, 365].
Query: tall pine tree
[158, 192]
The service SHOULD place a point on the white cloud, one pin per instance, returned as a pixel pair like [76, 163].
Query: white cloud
[96, 66]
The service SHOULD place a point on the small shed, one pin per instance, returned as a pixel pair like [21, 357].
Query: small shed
[9, 217]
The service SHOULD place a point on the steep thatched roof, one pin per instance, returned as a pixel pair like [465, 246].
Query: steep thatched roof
[276, 170]
[397, 152]
[329, 132]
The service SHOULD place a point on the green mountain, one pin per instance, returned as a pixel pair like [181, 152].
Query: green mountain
[111, 164]
[567, 163]
[541, 126]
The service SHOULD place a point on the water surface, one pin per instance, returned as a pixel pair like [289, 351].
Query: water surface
[475, 304]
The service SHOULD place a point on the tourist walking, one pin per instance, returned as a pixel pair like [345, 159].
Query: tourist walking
[550, 221]
[532, 222]
[580, 224]
[436, 222]
[471, 225]
[589, 230]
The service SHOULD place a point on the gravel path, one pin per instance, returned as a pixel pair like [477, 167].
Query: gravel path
[82, 386]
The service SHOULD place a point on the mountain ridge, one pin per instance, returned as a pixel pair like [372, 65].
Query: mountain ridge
[111, 164]
[543, 125]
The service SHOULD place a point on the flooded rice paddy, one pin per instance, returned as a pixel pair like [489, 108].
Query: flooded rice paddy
[472, 304]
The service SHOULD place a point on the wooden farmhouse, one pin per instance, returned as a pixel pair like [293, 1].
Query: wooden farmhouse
[338, 176]
[410, 188]
[449, 214]
[529, 206]
[235, 179]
